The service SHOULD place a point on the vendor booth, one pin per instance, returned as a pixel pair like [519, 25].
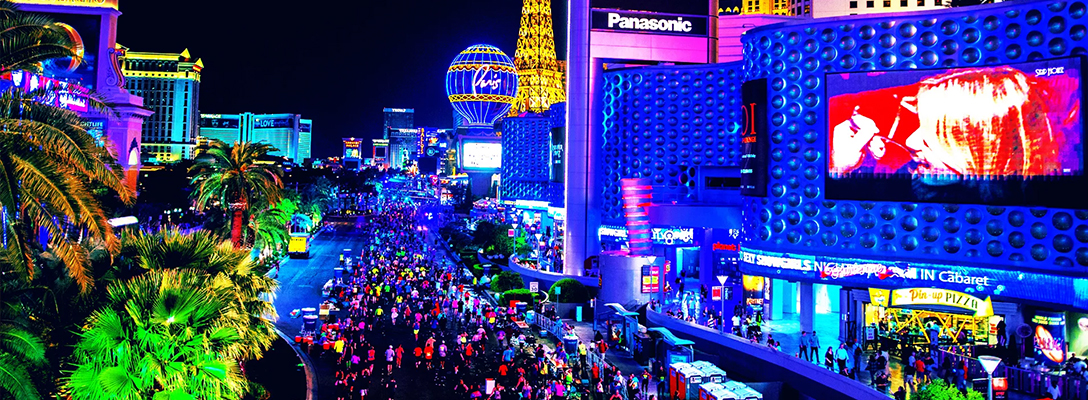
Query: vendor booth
[916, 318]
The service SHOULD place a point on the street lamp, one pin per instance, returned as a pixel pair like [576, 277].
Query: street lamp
[721, 280]
[989, 363]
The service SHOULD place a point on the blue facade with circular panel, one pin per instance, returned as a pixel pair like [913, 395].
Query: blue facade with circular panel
[797, 216]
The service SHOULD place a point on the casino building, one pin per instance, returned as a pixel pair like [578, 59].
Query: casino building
[829, 170]
[170, 86]
[288, 133]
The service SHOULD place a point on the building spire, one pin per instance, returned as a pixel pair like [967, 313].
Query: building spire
[541, 78]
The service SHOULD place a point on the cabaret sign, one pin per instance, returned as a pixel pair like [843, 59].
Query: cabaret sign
[836, 270]
[629, 21]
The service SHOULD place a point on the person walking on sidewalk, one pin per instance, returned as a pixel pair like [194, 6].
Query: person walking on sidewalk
[814, 346]
[804, 353]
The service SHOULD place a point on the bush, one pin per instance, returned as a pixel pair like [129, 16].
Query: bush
[507, 280]
[941, 390]
[572, 292]
[520, 295]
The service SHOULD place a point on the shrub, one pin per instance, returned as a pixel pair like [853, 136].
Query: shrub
[507, 280]
[572, 292]
[520, 295]
[941, 390]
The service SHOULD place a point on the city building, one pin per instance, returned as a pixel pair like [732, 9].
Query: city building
[397, 118]
[93, 27]
[170, 86]
[353, 154]
[756, 192]
[286, 132]
[542, 79]
[305, 139]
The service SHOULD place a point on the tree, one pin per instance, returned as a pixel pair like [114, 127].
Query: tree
[168, 334]
[49, 169]
[28, 39]
[20, 349]
[232, 178]
[507, 280]
[269, 229]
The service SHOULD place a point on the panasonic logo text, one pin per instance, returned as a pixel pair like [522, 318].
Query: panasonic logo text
[617, 21]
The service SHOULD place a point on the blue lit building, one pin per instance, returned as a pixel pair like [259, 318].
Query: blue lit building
[288, 133]
[739, 159]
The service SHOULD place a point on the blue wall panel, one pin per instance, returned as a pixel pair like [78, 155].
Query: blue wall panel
[663, 123]
[796, 217]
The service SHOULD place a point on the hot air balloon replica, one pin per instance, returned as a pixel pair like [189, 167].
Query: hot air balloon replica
[482, 84]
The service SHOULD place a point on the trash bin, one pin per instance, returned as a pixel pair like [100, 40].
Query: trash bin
[309, 311]
[309, 323]
[570, 344]
[338, 272]
[522, 306]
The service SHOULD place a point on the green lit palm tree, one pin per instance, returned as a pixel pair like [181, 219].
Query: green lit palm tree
[269, 229]
[232, 178]
[226, 267]
[167, 334]
[28, 39]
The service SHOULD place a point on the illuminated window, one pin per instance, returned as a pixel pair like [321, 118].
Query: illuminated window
[937, 2]
[921, 3]
[887, 3]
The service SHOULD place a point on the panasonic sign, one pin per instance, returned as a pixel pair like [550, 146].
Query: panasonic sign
[629, 21]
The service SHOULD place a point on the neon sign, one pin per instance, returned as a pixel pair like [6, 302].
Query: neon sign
[932, 297]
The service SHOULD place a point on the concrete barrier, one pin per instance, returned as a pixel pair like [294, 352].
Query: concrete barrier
[745, 361]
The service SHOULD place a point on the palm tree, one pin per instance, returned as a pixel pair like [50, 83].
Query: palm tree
[232, 178]
[269, 228]
[166, 334]
[19, 348]
[229, 267]
[49, 166]
[28, 39]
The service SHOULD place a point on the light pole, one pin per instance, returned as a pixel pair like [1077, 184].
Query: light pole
[989, 363]
[722, 279]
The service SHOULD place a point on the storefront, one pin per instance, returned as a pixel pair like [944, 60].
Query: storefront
[917, 302]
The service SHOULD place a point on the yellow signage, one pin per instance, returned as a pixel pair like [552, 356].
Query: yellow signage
[931, 297]
[76, 3]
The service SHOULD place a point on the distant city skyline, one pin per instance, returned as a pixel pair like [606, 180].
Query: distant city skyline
[294, 70]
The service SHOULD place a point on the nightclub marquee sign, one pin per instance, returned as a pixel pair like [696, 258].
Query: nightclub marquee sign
[975, 281]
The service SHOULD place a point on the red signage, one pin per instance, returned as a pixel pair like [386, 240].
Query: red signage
[727, 247]
[716, 293]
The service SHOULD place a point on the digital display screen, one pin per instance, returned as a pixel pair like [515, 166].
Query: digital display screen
[482, 155]
[754, 140]
[269, 123]
[222, 123]
[1003, 135]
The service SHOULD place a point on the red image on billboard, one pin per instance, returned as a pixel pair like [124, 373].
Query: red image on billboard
[959, 135]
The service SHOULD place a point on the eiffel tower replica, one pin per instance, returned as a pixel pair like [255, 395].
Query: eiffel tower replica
[542, 80]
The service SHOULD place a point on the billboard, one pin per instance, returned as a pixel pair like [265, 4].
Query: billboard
[1002, 135]
[481, 155]
[634, 21]
[754, 139]
[217, 121]
[54, 92]
[83, 30]
[1049, 330]
[274, 122]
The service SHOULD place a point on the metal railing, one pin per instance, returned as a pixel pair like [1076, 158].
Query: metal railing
[1028, 381]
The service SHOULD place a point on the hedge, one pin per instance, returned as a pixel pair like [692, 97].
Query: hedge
[507, 280]
[519, 295]
[572, 292]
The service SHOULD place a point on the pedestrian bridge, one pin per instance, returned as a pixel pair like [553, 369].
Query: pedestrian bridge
[749, 362]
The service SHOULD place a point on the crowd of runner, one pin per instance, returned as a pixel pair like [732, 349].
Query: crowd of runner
[405, 312]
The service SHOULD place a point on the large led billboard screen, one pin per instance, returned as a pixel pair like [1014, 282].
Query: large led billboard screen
[83, 30]
[481, 155]
[1002, 135]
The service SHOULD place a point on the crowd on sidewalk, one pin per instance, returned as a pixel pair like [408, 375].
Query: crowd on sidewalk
[404, 313]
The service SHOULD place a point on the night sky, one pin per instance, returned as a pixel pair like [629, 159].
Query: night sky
[336, 62]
